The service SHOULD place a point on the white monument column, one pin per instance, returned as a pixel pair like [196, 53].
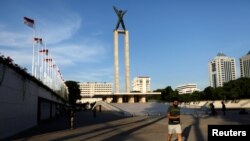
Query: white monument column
[127, 70]
[116, 63]
[127, 66]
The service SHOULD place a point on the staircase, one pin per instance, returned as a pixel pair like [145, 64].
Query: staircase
[109, 107]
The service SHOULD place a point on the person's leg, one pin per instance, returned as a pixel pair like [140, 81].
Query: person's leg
[123, 26]
[169, 137]
[170, 132]
[117, 25]
[179, 132]
[179, 136]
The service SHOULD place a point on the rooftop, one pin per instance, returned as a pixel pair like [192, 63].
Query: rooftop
[221, 54]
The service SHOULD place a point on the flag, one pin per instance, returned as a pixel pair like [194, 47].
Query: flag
[46, 51]
[38, 40]
[29, 22]
[48, 59]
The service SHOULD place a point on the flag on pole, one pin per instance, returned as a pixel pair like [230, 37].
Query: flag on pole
[38, 40]
[46, 51]
[48, 59]
[29, 22]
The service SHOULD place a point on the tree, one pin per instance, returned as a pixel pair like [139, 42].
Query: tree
[171, 94]
[196, 96]
[220, 94]
[185, 97]
[210, 93]
[232, 90]
[74, 91]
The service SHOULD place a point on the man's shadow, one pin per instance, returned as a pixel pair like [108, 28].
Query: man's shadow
[185, 133]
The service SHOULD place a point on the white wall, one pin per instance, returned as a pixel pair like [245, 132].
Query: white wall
[19, 102]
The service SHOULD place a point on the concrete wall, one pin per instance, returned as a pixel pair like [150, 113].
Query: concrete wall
[230, 104]
[19, 102]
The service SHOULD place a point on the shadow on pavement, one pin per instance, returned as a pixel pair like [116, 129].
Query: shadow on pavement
[186, 132]
[112, 128]
[83, 118]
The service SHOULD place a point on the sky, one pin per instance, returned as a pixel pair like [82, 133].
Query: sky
[171, 41]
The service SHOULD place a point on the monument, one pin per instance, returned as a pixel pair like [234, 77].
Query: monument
[126, 96]
[117, 32]
[120, 14]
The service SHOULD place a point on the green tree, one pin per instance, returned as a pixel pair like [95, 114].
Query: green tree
[74, 91]
[219, 93]
[210, 93]
[196, 96]
[185, 97]
[171, 94]
[244, 86]
[167, 94]
[232, 89]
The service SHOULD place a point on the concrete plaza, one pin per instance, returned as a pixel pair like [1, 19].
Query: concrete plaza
[108, 127]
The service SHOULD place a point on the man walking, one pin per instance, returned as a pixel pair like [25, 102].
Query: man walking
[174, 125]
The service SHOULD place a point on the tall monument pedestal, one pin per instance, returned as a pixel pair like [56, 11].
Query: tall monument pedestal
[116, 62]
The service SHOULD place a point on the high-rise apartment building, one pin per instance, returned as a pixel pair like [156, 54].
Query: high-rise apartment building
[89, 89]
[245, 65]
[141, 84]
[221, 69]
[187, 88]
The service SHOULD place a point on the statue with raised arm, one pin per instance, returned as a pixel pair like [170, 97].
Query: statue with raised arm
[120, 14]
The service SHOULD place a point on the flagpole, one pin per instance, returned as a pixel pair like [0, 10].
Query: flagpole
[50, 74]
[43, 62]
[41, 68]
[31, 23]
[53, 75]
[38, 53]
[46, 71]
[48, 78]
[33, 54]
[38, 64]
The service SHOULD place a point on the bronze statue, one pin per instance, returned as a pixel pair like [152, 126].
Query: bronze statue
[120, 14]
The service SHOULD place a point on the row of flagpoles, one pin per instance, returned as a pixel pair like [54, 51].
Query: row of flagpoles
[43, 66]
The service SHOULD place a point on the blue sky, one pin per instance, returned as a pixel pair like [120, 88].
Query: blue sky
[171, 41]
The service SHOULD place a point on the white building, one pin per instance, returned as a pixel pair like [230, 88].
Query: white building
[187, 88]
[221, 69]
[245, 65]
[141, 84]
[90, 89]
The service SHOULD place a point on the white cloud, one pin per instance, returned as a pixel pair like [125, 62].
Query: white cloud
[13, 39]
[21, 57]
[58, 30]
[71, 54]
[91, 75]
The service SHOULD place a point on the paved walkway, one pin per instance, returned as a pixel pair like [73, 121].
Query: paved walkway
[108, 127]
